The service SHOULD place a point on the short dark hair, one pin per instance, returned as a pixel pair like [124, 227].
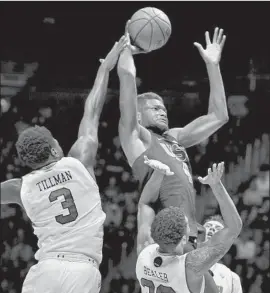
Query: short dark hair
[169, 226]
[34, 145]
[217, 218]
[142, 98]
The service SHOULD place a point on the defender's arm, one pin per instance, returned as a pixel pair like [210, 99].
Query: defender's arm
[199, 261]
[10, 191]
[85, 148]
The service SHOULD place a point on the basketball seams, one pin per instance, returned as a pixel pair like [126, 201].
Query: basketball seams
[161, 19]
[158, 16]
[141, 30]
[152, 30]
[138, 19]
[160, 30]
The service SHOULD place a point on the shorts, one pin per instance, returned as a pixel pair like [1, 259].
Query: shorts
[63, 273]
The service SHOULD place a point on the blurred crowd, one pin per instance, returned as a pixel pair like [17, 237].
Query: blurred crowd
[243, 147]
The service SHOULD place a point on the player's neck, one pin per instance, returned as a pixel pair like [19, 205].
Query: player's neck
[156, 130]
[165, 252]
[48, 164]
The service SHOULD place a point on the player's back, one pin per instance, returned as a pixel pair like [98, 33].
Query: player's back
[224, 278]
[158, 273]
[63, 203]
[176, 190]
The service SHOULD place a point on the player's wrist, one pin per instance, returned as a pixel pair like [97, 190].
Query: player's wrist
[212, 65]
[216, 185]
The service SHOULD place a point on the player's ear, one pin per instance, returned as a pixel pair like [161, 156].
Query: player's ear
[139, 117]
[184, 240]
[55, 153]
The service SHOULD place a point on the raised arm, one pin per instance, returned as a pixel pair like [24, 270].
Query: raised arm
[131, 134]
[10, 191]
[199, 261]
[149, 196]
[85, 148]
[204, 126]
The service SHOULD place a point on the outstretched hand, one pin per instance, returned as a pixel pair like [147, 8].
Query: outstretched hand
[134, 49]
[157, 165]
[212, 52]
[110, 61]
[214, 175]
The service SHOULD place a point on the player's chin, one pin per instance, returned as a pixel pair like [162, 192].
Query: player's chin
[162, 125]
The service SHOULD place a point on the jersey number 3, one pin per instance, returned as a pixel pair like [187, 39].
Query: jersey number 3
[68, 203]
[160, 289]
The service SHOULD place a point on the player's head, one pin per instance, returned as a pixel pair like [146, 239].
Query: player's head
[152, 112]
[37, 147]
[212, 225]
[170, 230]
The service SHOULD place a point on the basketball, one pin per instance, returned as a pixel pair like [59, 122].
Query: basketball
[149, 28]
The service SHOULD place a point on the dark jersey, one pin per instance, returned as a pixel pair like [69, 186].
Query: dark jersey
[176, 190]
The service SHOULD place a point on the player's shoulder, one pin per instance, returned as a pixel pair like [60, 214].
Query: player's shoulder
[222, 267]
[70, 161]
[148, 251]
[235, 276]
[150, 248]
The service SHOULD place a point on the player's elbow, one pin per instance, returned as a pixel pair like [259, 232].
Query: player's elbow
[236, 229]
[239, 226]
[225, 118]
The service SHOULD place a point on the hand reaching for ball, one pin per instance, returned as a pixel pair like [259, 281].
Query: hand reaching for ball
[110, 61]
[134, 49]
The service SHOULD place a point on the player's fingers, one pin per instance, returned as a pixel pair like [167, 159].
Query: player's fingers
[146, 158]
[207, 38]
[199, 47]
[219, 38]
[126, 28]
[101, 60]
[122, 40]
[169, 173]
[219, 173]
[209, 171]
[222, 42]
[201, 179]
[222, 168]
[214, 168]
[215, 35]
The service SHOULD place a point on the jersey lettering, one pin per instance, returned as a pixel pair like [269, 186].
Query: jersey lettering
[68, 203]
[174, 151]
[151, 286]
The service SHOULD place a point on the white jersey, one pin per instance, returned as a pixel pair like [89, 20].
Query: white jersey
[64, 205]
[158, 273]
[226, 280]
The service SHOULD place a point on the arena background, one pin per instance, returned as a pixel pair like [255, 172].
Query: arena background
[49, 59]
